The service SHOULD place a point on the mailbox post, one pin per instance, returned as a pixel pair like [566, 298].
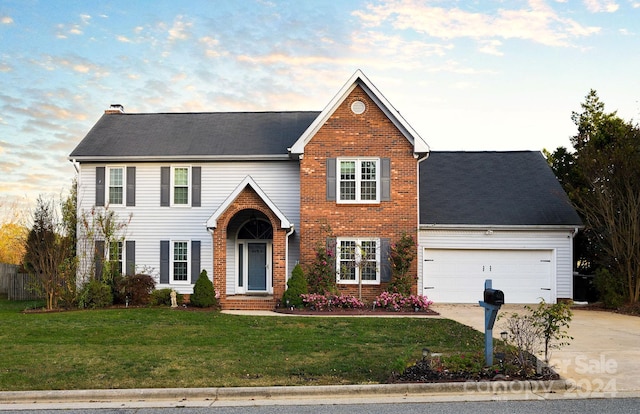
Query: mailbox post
[493, 299]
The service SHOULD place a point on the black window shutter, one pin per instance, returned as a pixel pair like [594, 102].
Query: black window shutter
[131, 186]
[196, 184]
[385, 179]
[98, 258]
[164, 261]
[195, 260]
[130, 251]
[100, 186]
[331, 179]
[331, 246]
[385, 264]
[165, 182]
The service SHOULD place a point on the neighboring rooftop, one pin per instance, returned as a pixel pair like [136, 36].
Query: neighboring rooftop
[191, 135]
[492, 188]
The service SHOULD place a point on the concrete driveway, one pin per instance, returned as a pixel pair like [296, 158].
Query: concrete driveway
[602, 360]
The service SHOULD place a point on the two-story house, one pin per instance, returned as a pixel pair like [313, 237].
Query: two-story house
[248, 195]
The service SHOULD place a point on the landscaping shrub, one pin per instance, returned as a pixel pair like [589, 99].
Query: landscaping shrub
[397, 302]
[296, 286]
[96, 294]
[204, 296]
[610, 288]
[321, 273]
[138, 288]
[401, 256]
[163, 297]
[330, 301]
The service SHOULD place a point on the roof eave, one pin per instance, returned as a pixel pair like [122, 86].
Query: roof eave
[178, 158]
[500, 227]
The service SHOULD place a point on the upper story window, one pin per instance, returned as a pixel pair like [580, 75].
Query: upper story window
[116, 186]
[358, 260]
[180, 187]
[359, 180]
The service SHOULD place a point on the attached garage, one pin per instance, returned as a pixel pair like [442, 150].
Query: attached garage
[494, 215]
[458, 275]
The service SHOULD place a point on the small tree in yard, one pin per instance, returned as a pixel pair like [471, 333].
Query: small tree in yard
[402, 254]
[296, 286]
[541, 329]
[47, 250]
[204, 296]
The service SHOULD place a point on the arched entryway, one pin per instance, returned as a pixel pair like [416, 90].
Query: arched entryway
[253, 252]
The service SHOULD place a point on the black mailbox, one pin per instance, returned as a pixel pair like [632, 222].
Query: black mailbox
[494, 297]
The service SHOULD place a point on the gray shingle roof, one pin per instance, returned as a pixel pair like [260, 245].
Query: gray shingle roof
[492, 188]
[214, 134]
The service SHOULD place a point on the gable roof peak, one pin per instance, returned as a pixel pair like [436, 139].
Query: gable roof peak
[360, 79]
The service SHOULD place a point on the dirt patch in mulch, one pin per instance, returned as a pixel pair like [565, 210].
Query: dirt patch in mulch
[355, 312]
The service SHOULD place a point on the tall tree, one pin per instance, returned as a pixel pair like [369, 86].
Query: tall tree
[606, 190]
[47, 250]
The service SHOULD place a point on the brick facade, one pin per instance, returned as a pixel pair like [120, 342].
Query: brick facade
[346, 134]
[248, 199]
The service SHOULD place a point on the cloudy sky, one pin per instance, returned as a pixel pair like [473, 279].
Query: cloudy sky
[467, 75]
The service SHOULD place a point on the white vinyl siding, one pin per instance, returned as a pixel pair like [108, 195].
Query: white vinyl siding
[151, 223]
[559, 243]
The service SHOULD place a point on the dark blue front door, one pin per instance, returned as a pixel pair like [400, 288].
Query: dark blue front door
[257, 259]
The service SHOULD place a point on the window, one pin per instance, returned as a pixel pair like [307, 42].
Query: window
[358, 259]
[115, 256]
[359, 181]
[180, 261]
[116, 186]
[180, 186]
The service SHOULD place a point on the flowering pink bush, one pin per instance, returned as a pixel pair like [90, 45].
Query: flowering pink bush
[397, 302]
[330, 301]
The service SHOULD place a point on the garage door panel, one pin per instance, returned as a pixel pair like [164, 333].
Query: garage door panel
[457, 276]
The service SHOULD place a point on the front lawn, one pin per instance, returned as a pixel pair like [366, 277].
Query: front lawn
[161, 347]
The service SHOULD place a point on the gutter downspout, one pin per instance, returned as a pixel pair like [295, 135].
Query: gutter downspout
[419, 252]
[286, 254]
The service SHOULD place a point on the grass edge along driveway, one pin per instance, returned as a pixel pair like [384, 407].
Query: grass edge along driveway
[162, 348]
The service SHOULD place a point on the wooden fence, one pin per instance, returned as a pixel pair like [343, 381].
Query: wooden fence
[16, 285]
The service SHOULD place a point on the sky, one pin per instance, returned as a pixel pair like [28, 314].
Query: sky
[466, 75]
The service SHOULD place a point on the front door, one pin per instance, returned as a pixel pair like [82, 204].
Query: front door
[257, 267]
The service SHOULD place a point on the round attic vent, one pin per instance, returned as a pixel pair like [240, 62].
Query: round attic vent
[357, 107]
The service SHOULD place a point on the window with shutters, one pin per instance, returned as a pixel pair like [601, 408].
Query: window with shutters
[116, 257]
[115, 185]
[180, 186]
[180, 261]
[358, 259]
[358, 180]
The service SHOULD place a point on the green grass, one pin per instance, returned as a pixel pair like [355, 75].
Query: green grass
[160, 347]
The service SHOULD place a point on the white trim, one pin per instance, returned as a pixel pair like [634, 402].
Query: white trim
[212, 222]
[358, 241]
[107, 179]
[359, 79]
[172, 186]
[358, 170]
[245, 266]
[172, 281]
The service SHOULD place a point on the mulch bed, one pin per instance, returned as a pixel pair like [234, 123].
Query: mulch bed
[355, 312]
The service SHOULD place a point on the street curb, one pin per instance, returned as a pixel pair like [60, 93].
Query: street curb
[284, 392]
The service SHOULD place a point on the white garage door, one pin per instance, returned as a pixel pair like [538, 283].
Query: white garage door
[457, 276]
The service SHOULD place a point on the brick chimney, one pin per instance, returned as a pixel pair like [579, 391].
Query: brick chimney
[115, 109]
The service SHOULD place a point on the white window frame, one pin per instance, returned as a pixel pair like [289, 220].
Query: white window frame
[108, 185]
[172, 261]
[358, 166]
[358, 259]
[173, 185]
[123, 254]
